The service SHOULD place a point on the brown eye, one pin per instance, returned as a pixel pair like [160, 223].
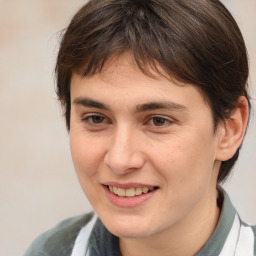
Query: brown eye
[97, 119]
[159, 121]
[94, 119]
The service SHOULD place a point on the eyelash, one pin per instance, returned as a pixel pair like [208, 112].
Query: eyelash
[88, 119]
[164, 120]
[103, 120]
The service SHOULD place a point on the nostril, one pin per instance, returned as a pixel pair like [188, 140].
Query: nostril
[122, 162]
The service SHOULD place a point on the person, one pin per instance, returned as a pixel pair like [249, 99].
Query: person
[155, 98]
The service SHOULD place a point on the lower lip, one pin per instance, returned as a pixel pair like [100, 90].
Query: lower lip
[128, 202]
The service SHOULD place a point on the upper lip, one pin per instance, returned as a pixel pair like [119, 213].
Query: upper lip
[127, 185]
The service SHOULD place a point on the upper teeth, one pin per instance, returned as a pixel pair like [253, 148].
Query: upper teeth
[130, 191]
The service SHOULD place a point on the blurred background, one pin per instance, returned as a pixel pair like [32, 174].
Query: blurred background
[38, 186]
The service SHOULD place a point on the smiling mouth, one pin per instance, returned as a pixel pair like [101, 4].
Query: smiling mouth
[130, 192]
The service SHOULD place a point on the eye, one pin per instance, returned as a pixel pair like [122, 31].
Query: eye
[159, 121]
[94, 119]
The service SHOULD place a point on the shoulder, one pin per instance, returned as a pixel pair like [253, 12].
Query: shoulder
[254, 232]
[59, 241]
[232, 233]
[248, 236]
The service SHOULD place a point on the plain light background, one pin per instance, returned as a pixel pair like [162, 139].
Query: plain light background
[38, 186]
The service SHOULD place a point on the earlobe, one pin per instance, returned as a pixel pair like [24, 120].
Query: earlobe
[232, 131]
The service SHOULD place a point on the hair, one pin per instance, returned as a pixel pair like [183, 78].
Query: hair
[193, 41]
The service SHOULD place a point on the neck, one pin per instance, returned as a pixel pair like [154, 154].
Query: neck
[185, 238]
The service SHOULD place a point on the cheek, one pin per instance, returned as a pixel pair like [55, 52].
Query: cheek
[185, 161]
[187, 173]
[86, 155]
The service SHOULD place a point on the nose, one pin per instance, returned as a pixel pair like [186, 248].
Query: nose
[124, 154]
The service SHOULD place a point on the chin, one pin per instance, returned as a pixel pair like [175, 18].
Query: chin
[128, 229]
[128, 233]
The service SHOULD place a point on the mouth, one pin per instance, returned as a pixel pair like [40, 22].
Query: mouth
[129, 195]
[130, 192]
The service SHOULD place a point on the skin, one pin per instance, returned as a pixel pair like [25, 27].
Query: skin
[173, 147]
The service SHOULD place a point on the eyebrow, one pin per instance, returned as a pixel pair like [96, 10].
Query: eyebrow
[90, 103]
[168, 105]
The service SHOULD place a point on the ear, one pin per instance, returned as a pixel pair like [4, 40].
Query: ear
[231, 131]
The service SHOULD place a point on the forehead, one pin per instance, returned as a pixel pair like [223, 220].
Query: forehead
[121, 76]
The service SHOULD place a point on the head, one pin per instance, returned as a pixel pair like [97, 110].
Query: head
[192, 42]
[154, 94]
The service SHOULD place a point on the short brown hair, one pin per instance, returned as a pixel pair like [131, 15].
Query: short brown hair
[194, 41]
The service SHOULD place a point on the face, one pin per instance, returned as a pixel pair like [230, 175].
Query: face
[143, 148]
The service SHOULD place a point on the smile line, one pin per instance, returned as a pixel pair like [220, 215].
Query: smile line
[130, 192]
